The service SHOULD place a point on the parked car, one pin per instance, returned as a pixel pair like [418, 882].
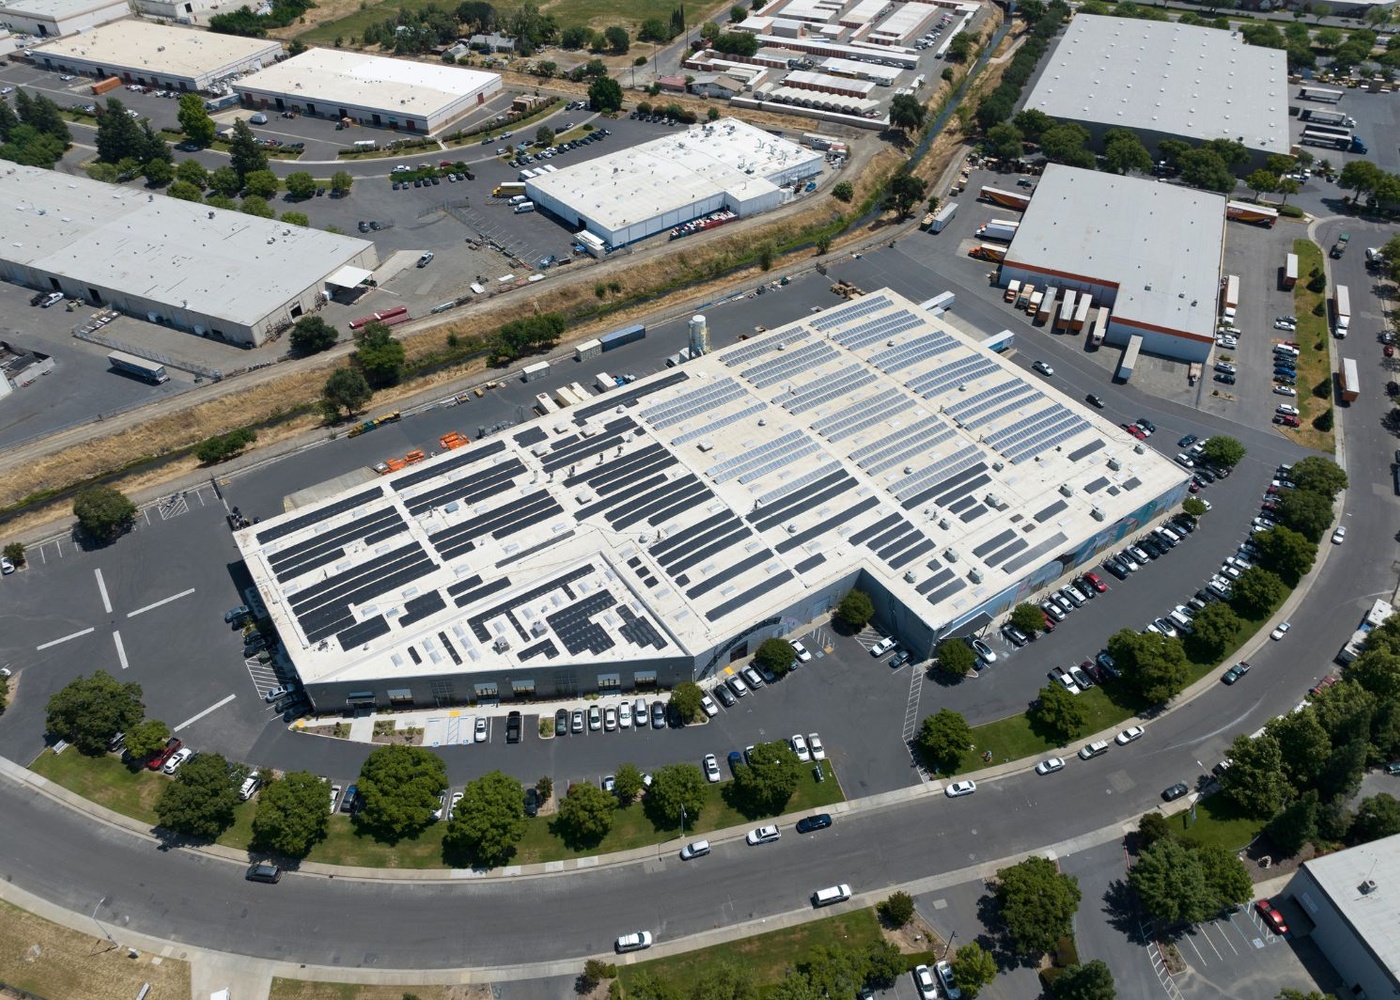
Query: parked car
[815, 742]
[1043, 368]
[711, 768]
[799, 747]
[561, 722]
[162, 755]
[1271, 916]
[985, 652]
[514, 727]
[636, 941]
[658, 715]
[1129, 735]
[810, 824]
[176, 759]
[263, 871]
[1049, 766]
[802, 654]
[763, 835]
[1174, 792]
[725, 696]
[960, 788]
[944, 972]
[924, 985]
[1281, 631]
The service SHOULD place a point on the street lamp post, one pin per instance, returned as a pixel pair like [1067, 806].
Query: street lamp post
[682, 822]
[105, 933]
[949, 946]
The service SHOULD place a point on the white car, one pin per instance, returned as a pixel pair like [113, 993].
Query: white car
[624, 714]
[1043, 368]
[763, 835]
[176, 759]
[1286, 408]
[437, 813]
[944, 972]
[6, 567]
[1285, 390]
[707, 704]
[452, 806]
[924, 984]
[987, 653]
[481, 729]
[1050, 765]
[799, 747]
[711, 768]
[882, 647]
[1283, 324]
[960, 788]
[1339, 535]
[636, 941]
[1060, 676]
[815, 742]
[802, 654]
[1129, 735]
[1281, 631]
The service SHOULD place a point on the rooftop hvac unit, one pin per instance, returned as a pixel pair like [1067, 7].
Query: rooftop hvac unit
[909, 576]
[998, 465]
[1066, 489]
[951, 554]
[1097, 514]
[1114, 464]
[943, 523]
[975, 575]
[1367, 887]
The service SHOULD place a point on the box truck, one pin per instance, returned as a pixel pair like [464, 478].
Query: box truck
[1341, 310]
[943, 217]
[998, 230]
[1351, 383]
[1007, 199]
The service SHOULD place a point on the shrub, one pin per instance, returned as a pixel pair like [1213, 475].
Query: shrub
[898, 910]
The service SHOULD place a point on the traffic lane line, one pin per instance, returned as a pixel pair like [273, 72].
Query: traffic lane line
[163, 601]
[212, 708]
[71, 635]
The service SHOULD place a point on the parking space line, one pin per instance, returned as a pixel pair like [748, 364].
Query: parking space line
[162, 601]
[121, 650]
[195, 718]
[102, 587]
[71, 635]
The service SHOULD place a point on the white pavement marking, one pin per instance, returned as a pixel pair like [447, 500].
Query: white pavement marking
[195, 718]
[70, 635]
[121, 650]
[106, 601]
[164, 600]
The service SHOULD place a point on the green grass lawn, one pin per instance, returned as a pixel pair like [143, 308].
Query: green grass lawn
[104, 780]
[1217, 822]
[598, 14]
[766, 956]
[1314, 361]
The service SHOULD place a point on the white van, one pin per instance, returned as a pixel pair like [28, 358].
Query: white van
[831, 894]
[517, 199]
[250, 788]
[695, 849]
[524, 206]
[258, 118]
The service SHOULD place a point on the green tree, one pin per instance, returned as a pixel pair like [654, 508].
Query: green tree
[855, 609]
[378, 355]
[955, 657]
[103, 513]
[488, 822]
[1028, 618]
[145, 738]
[1151, 828]
[1194, 506]
[905, 191]
[225, 181]
[1227, 879]
[193, 172]
[843, 191]
[245, 155]
[586, 814]
[959, 47]
[1303, 744]
[296, 219]
[685, 699]
[1316, 474]
[300, 185]
[256, 205]
[1261, 181]
[1057, 714]
[341, 183]
[627, 783]
[1223, 452]
[1202, 168]
[884, 963]
[1154, 665]
[158, 173]
[1342, 773]
[1065, 143]
[1212, 630]
[898, 909]
[544, 136]
[1124, 152]
[14, 551]
[675, 787]
[776, 655]
[185, 191]
[1032, 121]
[974, 967]
[264, 183]
[223, 201]
[833, 971]
[906, 112]
[944, 739]
[1037, 904]
[605, 94]
[618, 40]
[766, 782]
[1285, 552]
[1005, 141]
[1346, 711]
[119, 137]
[195, 121]
[1254, 780]
[399, 789]
[1309, 514]
[312, 335]
[1377, 671]
[201, 799]
[1091, 981]
[1295, 825]
[1171, 884]
[1257, 592]
[1376, 817]
[292, 816]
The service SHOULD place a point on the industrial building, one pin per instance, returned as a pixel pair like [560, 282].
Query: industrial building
[1352, 899]
[158, 55]
[659, 532]
[642, 190]
[1151, 252]
[370, 90]
[1165, 80]
[55, 18]
[206, 270]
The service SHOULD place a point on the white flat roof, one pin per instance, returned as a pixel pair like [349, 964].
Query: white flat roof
[1160, 76]
[1161, 244]
[677, 170]
[1374, 915]
[57, 10]
[155, 247]
[409, 89]
[672, 514]
[158, 48]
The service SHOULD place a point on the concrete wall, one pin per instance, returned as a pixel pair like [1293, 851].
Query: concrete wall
[1362, 970]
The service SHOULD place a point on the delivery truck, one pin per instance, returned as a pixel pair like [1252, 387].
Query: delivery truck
[1290, 270]
[998, 231]
[1320, 117]
[988, 251]
[1243, 211]
[1007, 199]
[1351, 384]
[943, 217]
[1341, 310]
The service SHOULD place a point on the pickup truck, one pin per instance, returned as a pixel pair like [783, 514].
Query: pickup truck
[1340, 247]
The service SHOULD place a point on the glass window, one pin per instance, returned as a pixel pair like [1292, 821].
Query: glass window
[644, 678]
[359, 696]
[526, 687]
[486, 690]
[609, 682]
[399, 696]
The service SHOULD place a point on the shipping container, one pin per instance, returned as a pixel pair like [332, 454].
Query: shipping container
[1000, 343]
[1290, 270]
[587, 349]
[1231, 295]
[531, 373]
[1323, 94]
[1066, 317]
[603, 382]
[113, 82]
[583, 394]
[149, 371]
[1007, 199]
[941, 302]
[1081, 311]
[1243, 211]
[626, 335]
[1047, 305]
[1130, 357]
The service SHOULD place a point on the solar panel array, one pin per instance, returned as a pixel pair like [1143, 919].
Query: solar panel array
[844, 314]
[714, 425]
[862, 415]
[693, 403]
[992, 404]
[829, 387]
[961, 459]
[758, 348]
[919, 438]
[790, 364]
[877, 329]
[938, 381]
[770, 455]
[919, 349]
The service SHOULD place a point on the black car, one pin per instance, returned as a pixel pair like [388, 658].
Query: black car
[809, 824]
[725, 696]
[658, 715]
[1084, 589]
[1185, 523]
[264, 871]
[1114, 566]
[1205, 474]
[561, 722]
[1094, 401]
[513, 726]
[1175, 791]
[1146, 425]
[532, 801]
[1226, 379]
[364, 226]
[37, 298]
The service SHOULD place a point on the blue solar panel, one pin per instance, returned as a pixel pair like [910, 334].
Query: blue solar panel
[878, 329]
[689, 404]
[714, 425]
[953, 464]
[843, 314]
[756, 349]
[790, 364]
[729, 468]
[841, 383]
[919, 349]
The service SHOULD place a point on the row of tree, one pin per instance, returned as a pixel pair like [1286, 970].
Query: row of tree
[33, 132]
[377, 362]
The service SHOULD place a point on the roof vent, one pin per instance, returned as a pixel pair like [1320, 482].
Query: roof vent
[1367, 887]
[943, 523]
[998, 465]
[909, 576]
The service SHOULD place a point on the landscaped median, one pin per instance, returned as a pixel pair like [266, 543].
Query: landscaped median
[108, 782]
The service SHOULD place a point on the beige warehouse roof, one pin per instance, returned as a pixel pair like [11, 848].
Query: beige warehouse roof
[159, 48]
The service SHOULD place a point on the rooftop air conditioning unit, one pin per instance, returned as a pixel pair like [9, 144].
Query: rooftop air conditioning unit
[951, 554]
[1066, 489]
[1367, 887]
[1097, 514]
[975, 575]
[1114, 464]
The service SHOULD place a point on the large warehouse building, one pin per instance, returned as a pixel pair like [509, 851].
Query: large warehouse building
[1352, 898]
[662, 531]
[647, 189]
[370, 90]
[1150, 252]
[1165, 80]
[158, 55]
[53, 18]
[210, 271]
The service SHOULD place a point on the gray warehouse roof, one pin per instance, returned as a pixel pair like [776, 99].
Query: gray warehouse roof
[221, 263]
[57, 10]
[1363, 883]
[1160, 76]
[163, 49]
[1161, 244]
[674, 513]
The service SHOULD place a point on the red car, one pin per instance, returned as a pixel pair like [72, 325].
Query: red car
[1092, 579]
[1135, 431]
[1195, 487]
[1271, 916]
[1389, 350]
[165, 753]
[1049, 623]
[1288, 420]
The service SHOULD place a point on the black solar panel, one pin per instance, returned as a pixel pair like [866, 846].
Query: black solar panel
[964, 490]
[643, 504]
[1086, 450]
[1132, 484]
[740, 600]
[473, 594]
[497, 523]
[451, 649]
[830, 524]
[710, 528]
[943, 593]
[860, 537]
[332, 614]
[937, 580]
[597, 474]
[420, 607]
[318, 515]
[800, 502]
[628, 397]
[884, 539]
[944, 485]
[810, 563]
[547, 649]
[909, 555]
[699, 555]
[994, 542]
[576, 629]
[331, 586]
[887, 552]
[313, 552]
[477, 622]
[358, 635]
[464, 456]
[1037, 552]
[554, 539]
[728, 573]
[531, 435]
[469, 490]
[587, 447]
[996, 558]
[639, 631]
[1047, 513]
[974, 514]
[1096, 485]
[958, 506]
